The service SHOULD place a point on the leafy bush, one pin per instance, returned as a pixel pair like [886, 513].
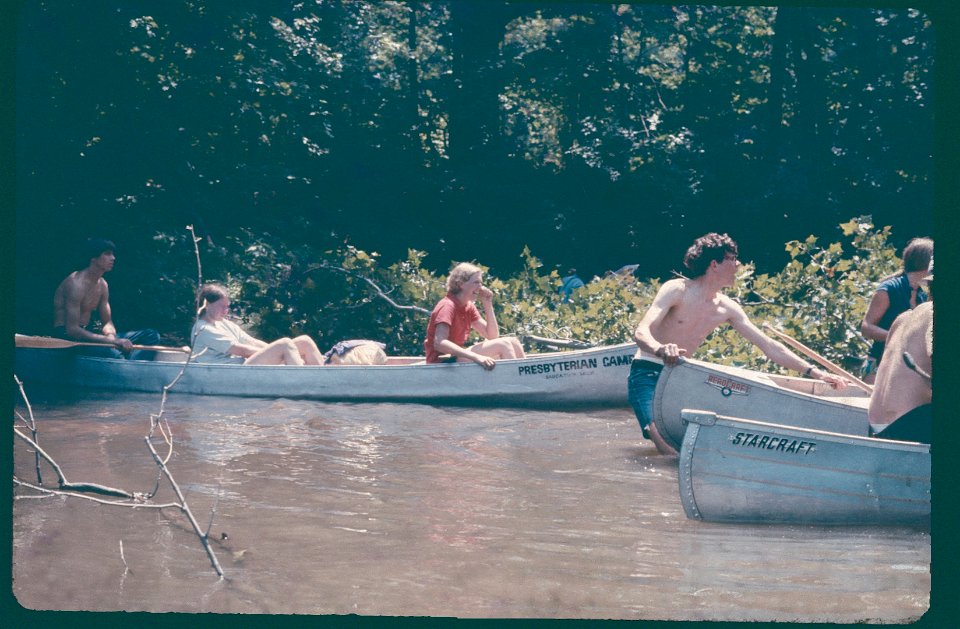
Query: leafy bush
[819, 297]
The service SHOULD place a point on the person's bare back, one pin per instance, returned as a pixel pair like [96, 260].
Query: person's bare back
[897, 389]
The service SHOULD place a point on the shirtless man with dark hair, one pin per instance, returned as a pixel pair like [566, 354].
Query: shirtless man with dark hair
[681, 316]
[84, 291]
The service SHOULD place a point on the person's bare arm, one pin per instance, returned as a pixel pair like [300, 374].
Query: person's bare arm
[776, 351]
[443, 344]
[106, 319]
[105, 312]
[668, 295]
[487, 326]
[870, 326]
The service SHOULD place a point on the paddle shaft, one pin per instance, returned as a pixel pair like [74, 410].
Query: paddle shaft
[49, 342]
[797, 345]
[568, 343]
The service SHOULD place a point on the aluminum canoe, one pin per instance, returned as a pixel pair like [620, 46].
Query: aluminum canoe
[748, 394]
[595, 376]
[738, 470]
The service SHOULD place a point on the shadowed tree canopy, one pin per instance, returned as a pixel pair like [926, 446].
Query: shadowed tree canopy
[598, 135]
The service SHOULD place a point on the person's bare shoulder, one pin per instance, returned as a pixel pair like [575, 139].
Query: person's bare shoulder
[730, 304]
[75, 288]
[71, 286]
[675, 287]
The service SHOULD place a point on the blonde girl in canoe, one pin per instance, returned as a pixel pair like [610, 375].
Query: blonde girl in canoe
[456, 314]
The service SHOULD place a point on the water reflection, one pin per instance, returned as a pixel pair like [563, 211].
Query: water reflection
[415, 510]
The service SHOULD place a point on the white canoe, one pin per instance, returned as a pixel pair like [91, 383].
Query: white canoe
[595, 376]
[748, 394]
[737, 470]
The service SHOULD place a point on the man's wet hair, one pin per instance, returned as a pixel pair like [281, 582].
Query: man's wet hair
[707, 248]
[94, 247]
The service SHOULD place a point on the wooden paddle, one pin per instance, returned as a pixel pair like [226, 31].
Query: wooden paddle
[50, 342]
[563, 343]
[797, 345]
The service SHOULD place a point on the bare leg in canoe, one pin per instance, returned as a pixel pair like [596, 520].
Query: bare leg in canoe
[216, 339]
[499, 348]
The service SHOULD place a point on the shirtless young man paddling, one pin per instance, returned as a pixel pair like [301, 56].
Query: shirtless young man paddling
[681, 316]
[84, 291]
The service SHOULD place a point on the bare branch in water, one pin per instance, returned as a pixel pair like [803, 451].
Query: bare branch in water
[67, 485]
[213, 513]
[31, 424]
[196, 251]
[186, 509]
[47, 493]
[126, 568]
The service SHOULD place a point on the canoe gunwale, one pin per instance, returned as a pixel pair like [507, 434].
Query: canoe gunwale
[530, 358]
[697, 417]
[667, 396]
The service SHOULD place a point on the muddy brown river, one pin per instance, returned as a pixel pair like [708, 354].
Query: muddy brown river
[415, 510]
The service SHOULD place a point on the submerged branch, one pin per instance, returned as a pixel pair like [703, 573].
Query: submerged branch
[204, 539]
[47, 492]
[32, 425]
[66, 485]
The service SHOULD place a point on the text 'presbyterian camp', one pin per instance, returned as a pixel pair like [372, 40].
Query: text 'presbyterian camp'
[573, 365]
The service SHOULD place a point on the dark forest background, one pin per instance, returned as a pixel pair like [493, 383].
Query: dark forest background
[598, 135]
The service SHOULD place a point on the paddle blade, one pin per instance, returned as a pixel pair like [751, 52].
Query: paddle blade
[42, 342]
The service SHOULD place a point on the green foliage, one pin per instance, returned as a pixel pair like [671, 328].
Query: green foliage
[818, 298]
[402, 124]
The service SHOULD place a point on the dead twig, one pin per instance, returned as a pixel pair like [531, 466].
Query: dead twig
[32, 425]
[126, 568]
[62, 479]
[379, 291]
[48, 493]
[204, 540]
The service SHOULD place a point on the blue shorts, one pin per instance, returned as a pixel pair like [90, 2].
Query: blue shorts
[641, 385]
